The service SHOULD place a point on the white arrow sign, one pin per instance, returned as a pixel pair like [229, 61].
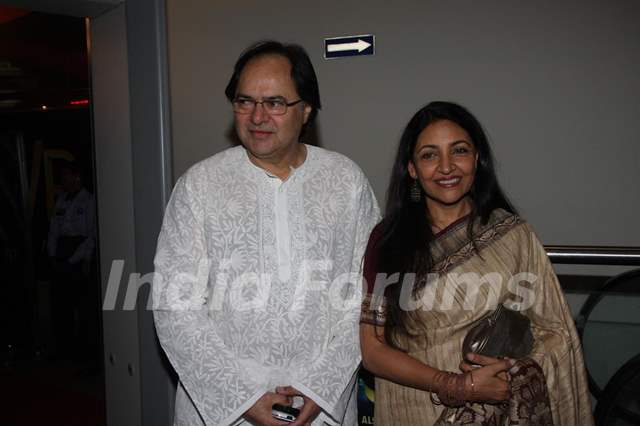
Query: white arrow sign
[360, 45]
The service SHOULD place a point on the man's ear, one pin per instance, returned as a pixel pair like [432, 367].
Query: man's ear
[412, 170]
[307, 111]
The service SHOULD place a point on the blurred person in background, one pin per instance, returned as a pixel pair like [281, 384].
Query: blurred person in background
[70, 246]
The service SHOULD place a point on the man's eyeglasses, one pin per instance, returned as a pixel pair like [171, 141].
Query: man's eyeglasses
[273, 106]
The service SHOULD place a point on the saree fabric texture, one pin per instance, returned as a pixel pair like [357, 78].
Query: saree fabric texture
[506, 264]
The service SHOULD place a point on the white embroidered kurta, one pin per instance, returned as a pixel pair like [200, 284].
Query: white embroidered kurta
[258, 284]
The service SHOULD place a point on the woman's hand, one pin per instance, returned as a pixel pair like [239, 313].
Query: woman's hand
[482, 360]
[490, 379]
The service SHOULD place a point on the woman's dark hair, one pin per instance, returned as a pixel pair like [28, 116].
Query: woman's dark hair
[302, 72]
[405, 243]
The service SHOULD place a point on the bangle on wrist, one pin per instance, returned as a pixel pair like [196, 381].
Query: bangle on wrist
[450, 389]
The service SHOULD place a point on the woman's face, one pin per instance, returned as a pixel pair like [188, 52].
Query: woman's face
[444, 162]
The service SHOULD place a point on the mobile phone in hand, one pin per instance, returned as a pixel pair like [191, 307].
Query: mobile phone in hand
[284, 413]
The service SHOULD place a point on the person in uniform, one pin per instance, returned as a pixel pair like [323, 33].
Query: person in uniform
[70, 245]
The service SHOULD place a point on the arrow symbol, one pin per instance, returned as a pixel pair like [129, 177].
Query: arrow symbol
[360, 45]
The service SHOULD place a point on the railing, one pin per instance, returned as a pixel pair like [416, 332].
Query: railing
[611, 397]
[594, 255]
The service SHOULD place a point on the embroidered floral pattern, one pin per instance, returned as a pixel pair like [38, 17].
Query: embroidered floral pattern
[240, 330]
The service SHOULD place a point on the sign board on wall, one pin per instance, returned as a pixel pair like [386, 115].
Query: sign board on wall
[340, 47]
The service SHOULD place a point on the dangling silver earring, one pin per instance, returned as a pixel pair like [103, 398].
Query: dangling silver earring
[415, 192]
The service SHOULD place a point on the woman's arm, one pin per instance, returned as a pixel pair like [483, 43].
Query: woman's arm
[389, 363]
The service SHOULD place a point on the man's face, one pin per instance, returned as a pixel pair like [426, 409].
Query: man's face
[70, 180]
[269, 137]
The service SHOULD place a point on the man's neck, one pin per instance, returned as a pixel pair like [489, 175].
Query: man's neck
[71, 194]
[282, 165]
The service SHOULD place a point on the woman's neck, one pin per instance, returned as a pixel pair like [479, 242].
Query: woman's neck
[443, 215]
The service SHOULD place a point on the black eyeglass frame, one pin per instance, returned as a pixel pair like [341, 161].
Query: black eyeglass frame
[262, 101]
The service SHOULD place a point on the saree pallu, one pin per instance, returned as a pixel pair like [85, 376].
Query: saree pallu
[507, 264]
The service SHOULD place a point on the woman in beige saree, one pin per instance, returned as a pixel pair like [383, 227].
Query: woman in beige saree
[450, 249]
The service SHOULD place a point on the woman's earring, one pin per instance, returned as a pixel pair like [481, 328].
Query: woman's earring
[415, 192]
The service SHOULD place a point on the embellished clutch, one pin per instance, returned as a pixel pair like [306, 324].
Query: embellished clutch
[502, 333]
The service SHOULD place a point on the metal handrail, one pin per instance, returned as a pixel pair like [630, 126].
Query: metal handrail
[594, 255]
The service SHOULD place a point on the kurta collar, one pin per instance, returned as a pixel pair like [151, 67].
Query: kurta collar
[297, 172]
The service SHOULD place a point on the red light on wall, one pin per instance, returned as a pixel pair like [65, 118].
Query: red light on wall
[80, 102]
[8, 14]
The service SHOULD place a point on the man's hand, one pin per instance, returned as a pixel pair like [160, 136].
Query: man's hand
[260, 413]
[308, 412]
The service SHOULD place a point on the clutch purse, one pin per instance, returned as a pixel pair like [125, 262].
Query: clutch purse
[502, 333]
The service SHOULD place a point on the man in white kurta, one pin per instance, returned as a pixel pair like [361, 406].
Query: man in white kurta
[258, 272]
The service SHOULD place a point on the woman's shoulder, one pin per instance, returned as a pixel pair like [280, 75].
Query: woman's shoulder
[499, 222]
[518, 229]
[376, 235]
[501, 215]
[507, 227]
